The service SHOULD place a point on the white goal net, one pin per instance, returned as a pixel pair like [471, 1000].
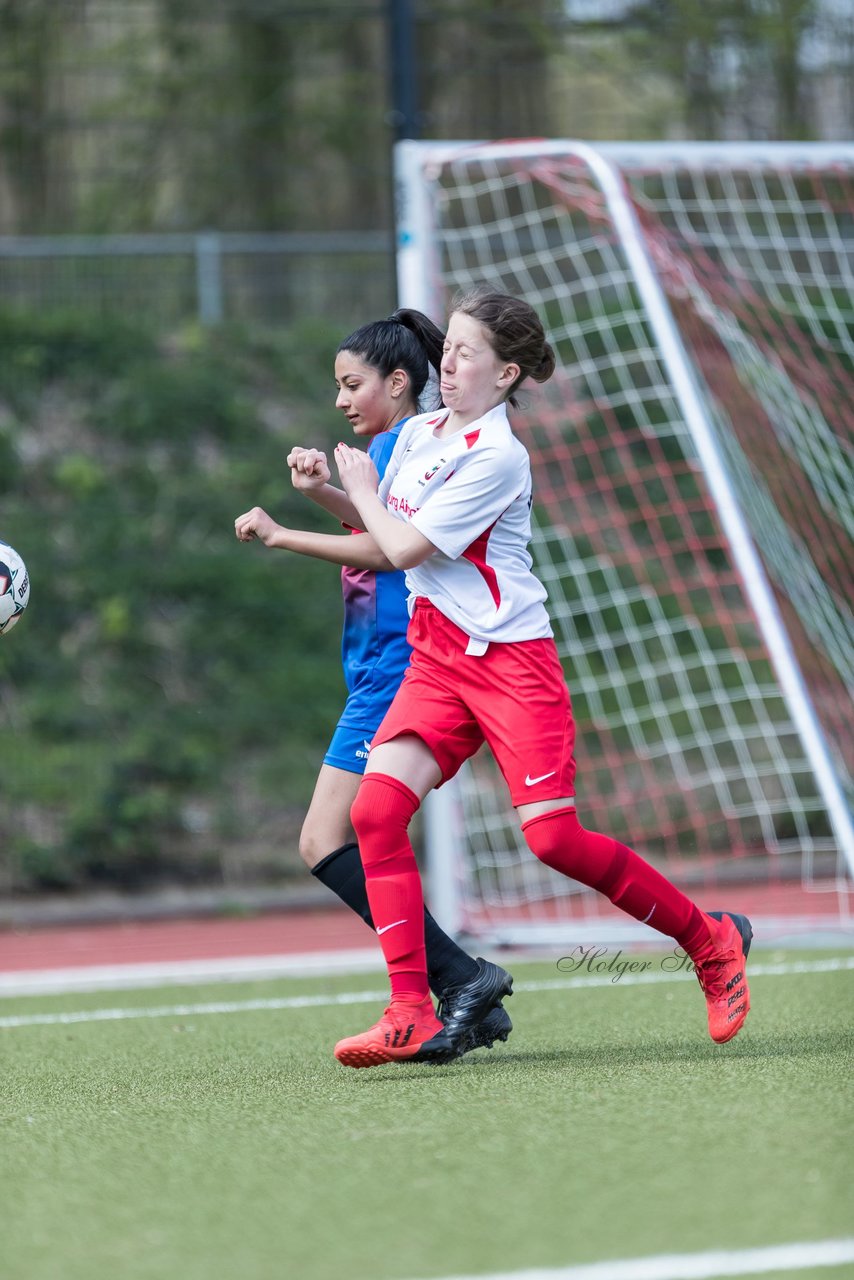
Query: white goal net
[693, 468]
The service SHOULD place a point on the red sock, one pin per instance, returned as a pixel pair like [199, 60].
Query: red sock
[381, 814]
[559, 840]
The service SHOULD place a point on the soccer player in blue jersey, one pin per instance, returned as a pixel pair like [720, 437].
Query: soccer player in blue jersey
[381, 372]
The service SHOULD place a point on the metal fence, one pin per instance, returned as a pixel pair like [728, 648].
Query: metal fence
[208, 276]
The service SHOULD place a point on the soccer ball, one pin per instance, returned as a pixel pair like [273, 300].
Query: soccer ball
[14, 587]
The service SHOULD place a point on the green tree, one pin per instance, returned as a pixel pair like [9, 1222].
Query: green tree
[735, 58]
[30, 33]
[169, 690]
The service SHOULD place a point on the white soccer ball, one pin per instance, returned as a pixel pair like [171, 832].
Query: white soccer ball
[14, 587]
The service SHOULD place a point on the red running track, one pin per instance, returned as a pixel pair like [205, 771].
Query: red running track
[311, 931]
[152, 941]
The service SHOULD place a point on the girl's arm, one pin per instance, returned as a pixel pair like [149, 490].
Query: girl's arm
[310, 474]
[401, 543]
[356, 551]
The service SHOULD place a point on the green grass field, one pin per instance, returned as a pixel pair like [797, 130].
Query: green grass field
[199, 1145]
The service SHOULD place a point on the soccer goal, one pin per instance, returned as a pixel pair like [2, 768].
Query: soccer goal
[693, 468]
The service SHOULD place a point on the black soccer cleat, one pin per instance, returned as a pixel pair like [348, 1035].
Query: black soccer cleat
[495, 1026]
[464, 1008]
[472, 1015]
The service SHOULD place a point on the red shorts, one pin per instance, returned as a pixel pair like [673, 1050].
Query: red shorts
[513, 697]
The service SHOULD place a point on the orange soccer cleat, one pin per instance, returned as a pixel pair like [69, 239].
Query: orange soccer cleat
[723, 976]
[405, 1029]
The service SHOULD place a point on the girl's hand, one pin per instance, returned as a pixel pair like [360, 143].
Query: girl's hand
[357, 472]
[309, 469]
[256, 524]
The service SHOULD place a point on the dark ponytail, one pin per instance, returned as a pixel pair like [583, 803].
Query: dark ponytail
[407, 340]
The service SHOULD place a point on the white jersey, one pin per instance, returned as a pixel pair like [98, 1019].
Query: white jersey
[470, 494]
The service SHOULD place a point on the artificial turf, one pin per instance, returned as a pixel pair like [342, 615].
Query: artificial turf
[197, 1145]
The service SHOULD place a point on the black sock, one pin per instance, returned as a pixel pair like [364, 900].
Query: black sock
[447, 964]
[343, 873]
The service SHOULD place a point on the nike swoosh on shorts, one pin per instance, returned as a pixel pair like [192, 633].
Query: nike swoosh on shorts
[530, 782]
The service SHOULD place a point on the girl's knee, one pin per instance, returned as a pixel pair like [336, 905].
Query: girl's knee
[382, 810]
[322, 834]
[310, 850]
[363, 814]
[551, 836]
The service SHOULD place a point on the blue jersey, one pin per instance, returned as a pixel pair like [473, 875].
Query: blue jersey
[375, 650]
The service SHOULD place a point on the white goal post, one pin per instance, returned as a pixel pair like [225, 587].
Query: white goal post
[694, 511]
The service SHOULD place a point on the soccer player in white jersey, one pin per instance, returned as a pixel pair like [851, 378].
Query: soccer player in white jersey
[381, 371]
[453, 511]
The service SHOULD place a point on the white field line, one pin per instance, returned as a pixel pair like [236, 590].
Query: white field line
[696, 1266]
[165, 973]
[590, 960]
[326, 1000]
